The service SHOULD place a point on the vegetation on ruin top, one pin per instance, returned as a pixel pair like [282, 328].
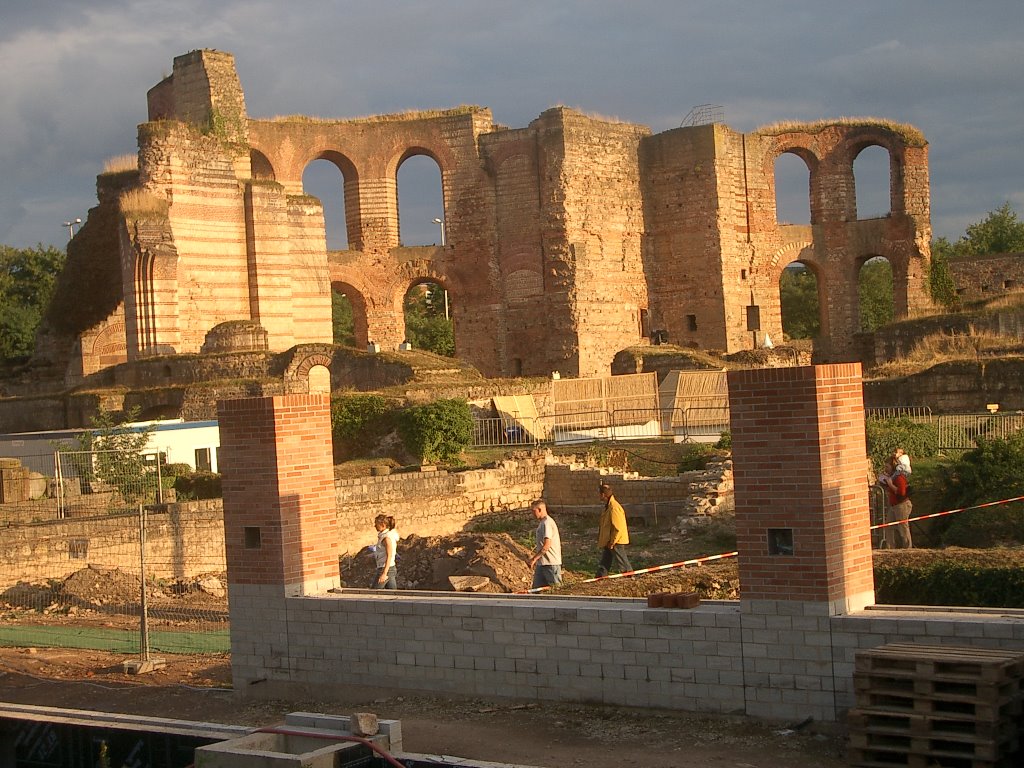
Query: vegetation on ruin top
[909, 133]
[394, 117]
[140, 204]
[120, 164]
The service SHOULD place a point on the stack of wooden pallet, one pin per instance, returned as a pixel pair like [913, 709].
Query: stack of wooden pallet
[929, 705]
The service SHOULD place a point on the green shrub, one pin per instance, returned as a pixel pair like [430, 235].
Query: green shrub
[886, 435]
[725, 441]
[696, 457]
[198, 485]
[438, 431]
[990, 472]
[995, 580]
[358, 422]
[175, 470]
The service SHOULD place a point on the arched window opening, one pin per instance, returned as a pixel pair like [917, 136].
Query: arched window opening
[800, 303]
[319, 380]
[871, 178]
[348, 316]
[874, 294]
[341, 318]
[261, 167]
[428, 323]
[421, 218]
[792, 190]
[323, 180]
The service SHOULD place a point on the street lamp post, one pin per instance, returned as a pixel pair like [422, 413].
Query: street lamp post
[440, 223]
[71, 227]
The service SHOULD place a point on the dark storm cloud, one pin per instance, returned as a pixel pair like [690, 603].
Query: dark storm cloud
[76, 75]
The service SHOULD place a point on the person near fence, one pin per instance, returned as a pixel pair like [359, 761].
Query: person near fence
[899, 508]
[547, 554]
[612, 535]
[386, 553]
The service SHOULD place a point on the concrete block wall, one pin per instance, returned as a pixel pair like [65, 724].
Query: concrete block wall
[613, 651]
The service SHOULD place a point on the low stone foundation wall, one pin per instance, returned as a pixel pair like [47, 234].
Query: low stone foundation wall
[435, 503]
[182, 541]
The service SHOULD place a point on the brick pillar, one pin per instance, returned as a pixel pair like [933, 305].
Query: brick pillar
[280, 522]
[802, 528]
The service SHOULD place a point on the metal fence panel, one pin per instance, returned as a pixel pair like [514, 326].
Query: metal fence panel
[75, 560]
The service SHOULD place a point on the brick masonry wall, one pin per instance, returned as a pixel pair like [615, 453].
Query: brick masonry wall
[798, 454]
[280, 522]
[984, 277]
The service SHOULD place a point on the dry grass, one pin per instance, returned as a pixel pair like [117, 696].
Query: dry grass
[944, 348]
[910, 134]
[140, 204]
[411, 114]
[121, 164]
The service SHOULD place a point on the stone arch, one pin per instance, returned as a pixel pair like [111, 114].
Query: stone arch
[895, 177]
[804, 258]
[417, 273]
[349, 190]
[813, 163]
[305, 361]
[420, 194]
[859, 264]
[357, 300]
[262, 168]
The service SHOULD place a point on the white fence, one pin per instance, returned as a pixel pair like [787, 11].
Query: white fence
[703, 424]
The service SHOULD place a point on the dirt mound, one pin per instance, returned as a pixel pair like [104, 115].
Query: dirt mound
[438, 562]
[102, 586]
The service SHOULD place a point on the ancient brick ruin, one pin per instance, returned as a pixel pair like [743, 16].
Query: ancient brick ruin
[567, 240]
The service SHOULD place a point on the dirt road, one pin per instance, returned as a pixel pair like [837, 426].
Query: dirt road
[527, 733]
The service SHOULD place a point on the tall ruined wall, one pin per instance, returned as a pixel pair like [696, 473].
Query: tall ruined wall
[603, 225]
[566, 241]
[683, 241]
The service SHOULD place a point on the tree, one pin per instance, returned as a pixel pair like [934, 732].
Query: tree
[426, 326]
[27, 277]
[798, 294]
[341, 319]
[940, 281]
[437, 431]
[112, 451]
[875, 294]
[999, 232]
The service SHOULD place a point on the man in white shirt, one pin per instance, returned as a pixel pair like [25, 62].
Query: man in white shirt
[547, 555]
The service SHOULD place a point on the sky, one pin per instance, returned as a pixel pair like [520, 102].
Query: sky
[74, 76]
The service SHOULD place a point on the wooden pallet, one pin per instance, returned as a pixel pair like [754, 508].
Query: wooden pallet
[949, 727]
[874, 758]
[919, 706]
[943, 662]
[909, 702]
[931, 688]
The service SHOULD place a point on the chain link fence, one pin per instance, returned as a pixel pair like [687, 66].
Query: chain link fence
[92, 557]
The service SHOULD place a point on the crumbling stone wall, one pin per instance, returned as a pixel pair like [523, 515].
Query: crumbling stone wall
[986, 277]
[567, 240]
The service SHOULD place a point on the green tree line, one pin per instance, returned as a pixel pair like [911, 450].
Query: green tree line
[27, 277]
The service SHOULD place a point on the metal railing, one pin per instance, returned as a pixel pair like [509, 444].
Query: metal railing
[697, 423]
